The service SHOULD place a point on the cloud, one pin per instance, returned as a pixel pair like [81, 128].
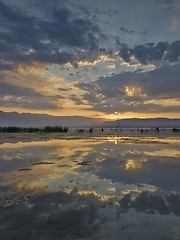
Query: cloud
[61, 215]
[76, 99]
[17, 96]
[62, 33]
[57, 97]
[62, 37]
[135, 91]
[124, 30]
[150, 53]
[64, 89]
[66, 219]
[33, 67]
[152, 202]
[5, 66]
[10, 89]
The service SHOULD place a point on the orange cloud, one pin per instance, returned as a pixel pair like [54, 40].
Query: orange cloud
[31, 68]
[29, 187]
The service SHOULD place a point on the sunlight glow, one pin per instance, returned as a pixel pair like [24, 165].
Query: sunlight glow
[102, 58]
[133, 91]
[132, 164]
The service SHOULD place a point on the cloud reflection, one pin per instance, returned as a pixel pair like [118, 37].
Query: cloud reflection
[72, 215]
[121, 186]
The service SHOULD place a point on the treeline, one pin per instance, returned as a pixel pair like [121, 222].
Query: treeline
[47, 129]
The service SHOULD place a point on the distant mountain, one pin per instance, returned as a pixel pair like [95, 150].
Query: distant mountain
[140, 123]
[41, 120]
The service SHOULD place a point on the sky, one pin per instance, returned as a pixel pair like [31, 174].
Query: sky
[101, 59]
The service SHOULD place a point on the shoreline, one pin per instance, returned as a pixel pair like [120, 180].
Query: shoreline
[36, 137]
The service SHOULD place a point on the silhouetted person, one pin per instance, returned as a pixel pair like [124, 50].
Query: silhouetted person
[157, 129]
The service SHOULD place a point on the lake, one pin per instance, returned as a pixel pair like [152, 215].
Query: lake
[106, 186]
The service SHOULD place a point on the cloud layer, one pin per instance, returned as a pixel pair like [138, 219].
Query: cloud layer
[62, 37]
[103, 61]
[151, 53]
[137, 91]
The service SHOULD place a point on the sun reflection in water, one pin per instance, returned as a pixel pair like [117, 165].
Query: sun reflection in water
[93, 167]
[132, 164]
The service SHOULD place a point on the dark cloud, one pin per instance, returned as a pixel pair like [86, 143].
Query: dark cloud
[91, 92]
[64, 89]
[11, 89]
[62, 33]
[17, 96]
[5, 66]
[124, 30]
[59, 38]
[125, 53]
[153, 202]
[56, 97]
[71, 74]
[121, 106]
[76, 99]
[151, 53]
[64, 37]
[61, 216]
[134, 91]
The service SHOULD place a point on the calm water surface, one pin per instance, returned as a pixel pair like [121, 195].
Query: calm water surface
[107, 187]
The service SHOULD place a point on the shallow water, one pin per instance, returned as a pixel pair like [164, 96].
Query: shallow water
[108, 187]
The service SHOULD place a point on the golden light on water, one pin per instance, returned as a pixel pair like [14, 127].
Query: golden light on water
[132, 164]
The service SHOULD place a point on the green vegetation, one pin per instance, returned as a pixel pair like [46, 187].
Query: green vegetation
[47, 129]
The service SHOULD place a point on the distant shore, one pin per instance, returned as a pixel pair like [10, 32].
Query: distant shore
[35, 137]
